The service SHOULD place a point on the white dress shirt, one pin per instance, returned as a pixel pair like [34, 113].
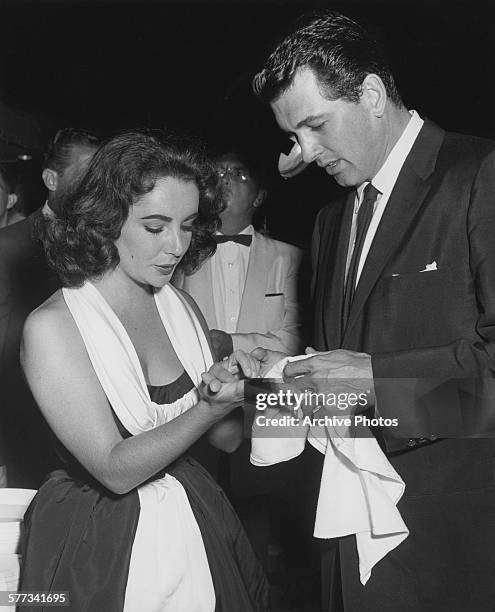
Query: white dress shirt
[384, 181]
[229, 270]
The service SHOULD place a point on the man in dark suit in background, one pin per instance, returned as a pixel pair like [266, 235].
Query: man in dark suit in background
[404, 287]
[26, 282]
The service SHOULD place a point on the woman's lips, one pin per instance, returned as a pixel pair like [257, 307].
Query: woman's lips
[166, 269]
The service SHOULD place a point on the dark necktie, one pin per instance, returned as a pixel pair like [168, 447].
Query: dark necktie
[363, 222]
[244, 239]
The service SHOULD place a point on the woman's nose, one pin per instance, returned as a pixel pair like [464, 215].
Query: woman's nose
[176, 243]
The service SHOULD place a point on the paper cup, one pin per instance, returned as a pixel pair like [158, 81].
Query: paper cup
[10, 536]
[9, 572]
[14, 503]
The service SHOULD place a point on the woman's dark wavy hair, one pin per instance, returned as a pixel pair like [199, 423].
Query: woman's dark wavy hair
[80, 241]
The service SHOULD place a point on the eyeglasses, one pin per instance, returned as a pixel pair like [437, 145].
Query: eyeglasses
[237, 174]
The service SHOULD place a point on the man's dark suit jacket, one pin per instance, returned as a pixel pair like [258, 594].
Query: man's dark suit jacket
[25, 282]
[421, 324]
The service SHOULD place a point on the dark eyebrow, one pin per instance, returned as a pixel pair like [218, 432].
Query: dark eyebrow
[309, 119]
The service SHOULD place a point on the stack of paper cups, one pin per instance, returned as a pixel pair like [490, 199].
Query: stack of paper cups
[13, 505]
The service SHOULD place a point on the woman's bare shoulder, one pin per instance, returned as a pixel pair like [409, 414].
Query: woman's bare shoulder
[53, 316]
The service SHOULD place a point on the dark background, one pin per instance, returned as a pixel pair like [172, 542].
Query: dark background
[108, 65]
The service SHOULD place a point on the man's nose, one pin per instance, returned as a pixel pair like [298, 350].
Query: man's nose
[309, 149]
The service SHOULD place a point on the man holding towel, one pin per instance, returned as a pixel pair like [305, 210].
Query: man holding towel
[404, 288]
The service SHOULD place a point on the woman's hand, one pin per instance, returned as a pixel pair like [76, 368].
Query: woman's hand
[267, 359]
[223, 387]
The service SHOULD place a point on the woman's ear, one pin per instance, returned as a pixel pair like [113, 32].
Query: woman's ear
[50, 178]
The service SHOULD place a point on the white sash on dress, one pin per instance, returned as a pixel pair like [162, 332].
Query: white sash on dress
[168, 569]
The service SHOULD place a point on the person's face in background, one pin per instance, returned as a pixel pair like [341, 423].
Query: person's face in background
[242, 192]
[7, 200]
[345, 138]
[78, 162]
[59, 182]
[157, 232]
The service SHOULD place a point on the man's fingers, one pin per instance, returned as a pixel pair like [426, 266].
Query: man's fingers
[297, 368]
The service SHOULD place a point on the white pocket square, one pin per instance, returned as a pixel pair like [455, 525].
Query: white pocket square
[430, 267]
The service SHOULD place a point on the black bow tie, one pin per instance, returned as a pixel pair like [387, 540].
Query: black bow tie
[244, 239]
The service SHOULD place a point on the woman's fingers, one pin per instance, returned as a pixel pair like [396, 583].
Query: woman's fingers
[243, 362]
[216, 392]
[212, 384]
[220, 370]
[221, 382]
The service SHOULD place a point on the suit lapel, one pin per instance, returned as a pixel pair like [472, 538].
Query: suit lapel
[405, 201]
[254, 287]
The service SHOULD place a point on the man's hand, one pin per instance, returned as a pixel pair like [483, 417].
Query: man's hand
[333, 371]
[222, 343]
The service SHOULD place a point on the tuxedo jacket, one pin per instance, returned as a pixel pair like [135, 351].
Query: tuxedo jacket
[26, 281]
[270, 311]
[424, 306]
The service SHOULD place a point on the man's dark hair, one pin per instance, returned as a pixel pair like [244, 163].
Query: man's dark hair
[58, 152]
[338, 50]
[80, 240]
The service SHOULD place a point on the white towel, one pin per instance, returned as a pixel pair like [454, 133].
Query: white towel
[169, 569]
[359, 489]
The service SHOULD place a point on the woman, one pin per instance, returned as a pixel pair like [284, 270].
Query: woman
[114, 361]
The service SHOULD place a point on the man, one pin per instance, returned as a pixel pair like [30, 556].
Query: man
[248, 290]
[26, 282]
[404, 287]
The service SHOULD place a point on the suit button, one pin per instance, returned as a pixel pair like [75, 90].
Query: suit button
[411, 442]
[433, 437]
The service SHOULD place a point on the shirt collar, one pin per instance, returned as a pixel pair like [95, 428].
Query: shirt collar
[384, 180]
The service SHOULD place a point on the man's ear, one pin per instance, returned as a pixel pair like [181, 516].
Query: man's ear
[260, 198]
[11, 200]
[50, 178]
[374, 94]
